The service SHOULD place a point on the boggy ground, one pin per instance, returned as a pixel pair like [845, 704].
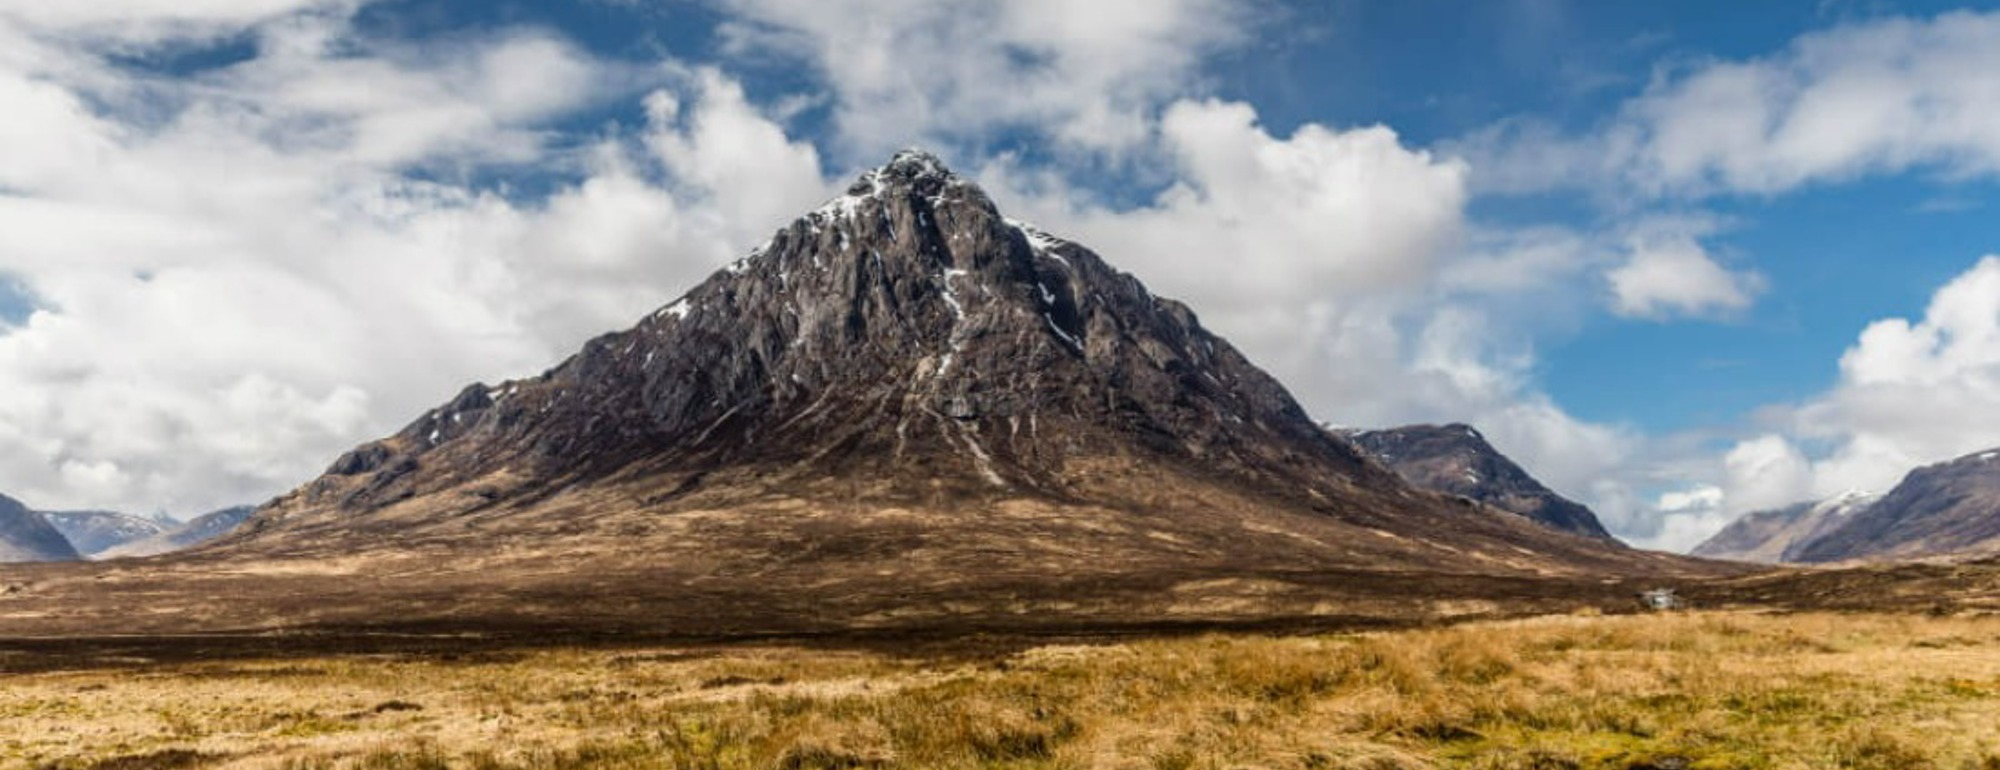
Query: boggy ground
[1700, 690]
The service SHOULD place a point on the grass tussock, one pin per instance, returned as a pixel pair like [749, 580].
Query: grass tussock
[1679, 692]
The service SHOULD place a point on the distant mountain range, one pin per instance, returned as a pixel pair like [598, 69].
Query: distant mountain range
[28, 535]
[1777, 536]
[1456, 460]
[196, 531]
[1947, 509]
[94, 532]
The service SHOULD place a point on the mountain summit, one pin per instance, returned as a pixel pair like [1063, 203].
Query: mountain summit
[902, 400]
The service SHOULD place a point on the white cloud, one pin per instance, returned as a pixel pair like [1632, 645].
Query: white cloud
[1909, 391]
[1686, 517]
[1267, 236]
[1694, 499]
[151, 22]
[1088, 75]
[236, 277]
[1763, 473]
[1667, 272]
[1887, 95]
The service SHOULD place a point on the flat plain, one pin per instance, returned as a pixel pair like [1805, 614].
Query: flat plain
[1721, 689]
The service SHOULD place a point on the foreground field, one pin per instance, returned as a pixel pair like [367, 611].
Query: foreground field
[1679, 691]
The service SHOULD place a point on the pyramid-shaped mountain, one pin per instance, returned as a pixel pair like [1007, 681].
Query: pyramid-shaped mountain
[903, 399]
[904, 333]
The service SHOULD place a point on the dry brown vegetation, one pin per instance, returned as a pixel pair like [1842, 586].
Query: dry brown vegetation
[1678, 691]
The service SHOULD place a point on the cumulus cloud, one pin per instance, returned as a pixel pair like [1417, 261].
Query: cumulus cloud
[1765, 472]
[1257, 227]
[1687, 517]
[959, 73]
[148, 22]
[1667, 272]
[236, 275]
[1907, 388]
[1881, 96]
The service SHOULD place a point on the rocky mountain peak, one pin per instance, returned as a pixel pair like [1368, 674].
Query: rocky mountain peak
[905, 330]
[914, 168]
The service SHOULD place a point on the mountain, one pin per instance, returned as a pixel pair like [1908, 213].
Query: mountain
[1456, 460]
[903, 411]
[93, 532]
[905, 346]
[25, 535]
[196, 531]
[1778, 536]
[1951, 508]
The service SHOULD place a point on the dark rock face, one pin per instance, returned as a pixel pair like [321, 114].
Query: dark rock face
[1947, 508]
[196, 531]
[93, 532]
[1456, 460]
[26, 535]
[1779, 535]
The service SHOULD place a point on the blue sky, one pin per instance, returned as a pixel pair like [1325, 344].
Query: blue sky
[1683, 260]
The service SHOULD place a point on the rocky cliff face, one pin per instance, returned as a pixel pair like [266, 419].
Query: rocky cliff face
[1944, 509]
[1779, 535]
[1456, 460]
[26, 535]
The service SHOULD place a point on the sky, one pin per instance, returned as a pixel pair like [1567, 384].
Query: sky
[1681, 260]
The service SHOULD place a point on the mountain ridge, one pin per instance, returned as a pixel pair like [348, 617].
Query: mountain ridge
[187, 534]
[94, 532]
[1776, 536]
[1456, 459]
[1951, 508]
[27, 536]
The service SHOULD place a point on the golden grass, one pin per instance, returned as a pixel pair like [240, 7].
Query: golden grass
[1668, 692]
